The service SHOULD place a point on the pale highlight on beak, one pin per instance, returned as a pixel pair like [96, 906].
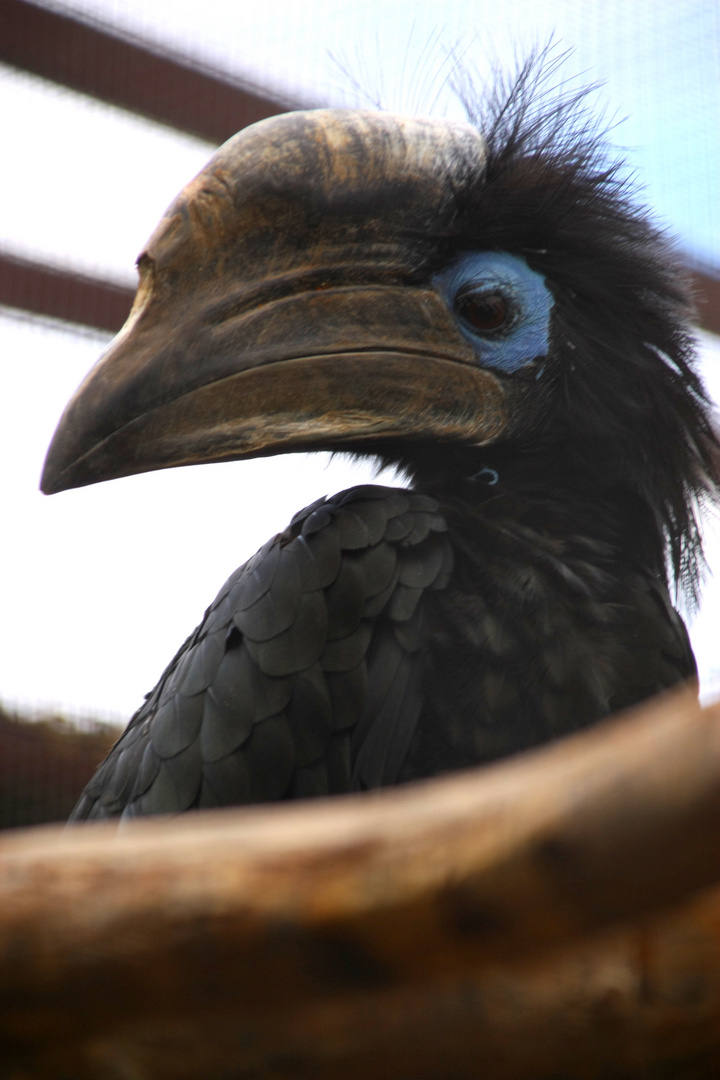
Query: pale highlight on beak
[277, 309]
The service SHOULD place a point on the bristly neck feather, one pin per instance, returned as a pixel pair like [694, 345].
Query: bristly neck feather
[553, 490]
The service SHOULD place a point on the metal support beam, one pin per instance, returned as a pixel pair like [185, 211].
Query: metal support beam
[706, 290]
[128, 73]
[60, 294]
[132, 75]
[104, 305]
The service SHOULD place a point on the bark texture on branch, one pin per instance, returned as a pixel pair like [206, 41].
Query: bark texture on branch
[553, 915]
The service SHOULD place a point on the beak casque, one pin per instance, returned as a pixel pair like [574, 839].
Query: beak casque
[276, 309]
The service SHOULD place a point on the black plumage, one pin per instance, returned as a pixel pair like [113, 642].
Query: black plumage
[519, 589]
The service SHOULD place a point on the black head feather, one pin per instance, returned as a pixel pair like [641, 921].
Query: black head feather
[623, 406]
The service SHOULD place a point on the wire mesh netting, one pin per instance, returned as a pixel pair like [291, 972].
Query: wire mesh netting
[86, 183]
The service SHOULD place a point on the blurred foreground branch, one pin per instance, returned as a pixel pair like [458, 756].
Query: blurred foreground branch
[554, 915]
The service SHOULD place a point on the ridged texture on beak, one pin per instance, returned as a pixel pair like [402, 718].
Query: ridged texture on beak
[280, 308]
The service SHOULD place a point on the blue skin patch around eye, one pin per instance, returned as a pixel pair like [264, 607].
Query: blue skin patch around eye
[525, 339]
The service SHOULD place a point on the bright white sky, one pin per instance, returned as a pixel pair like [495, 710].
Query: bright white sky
[99, 586]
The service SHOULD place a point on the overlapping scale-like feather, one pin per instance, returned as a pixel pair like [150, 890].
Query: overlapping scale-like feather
[314, 639]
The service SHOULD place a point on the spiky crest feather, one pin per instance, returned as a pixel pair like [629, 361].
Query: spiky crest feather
[626, 396]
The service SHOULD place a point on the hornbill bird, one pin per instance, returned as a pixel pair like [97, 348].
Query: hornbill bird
[481, 305]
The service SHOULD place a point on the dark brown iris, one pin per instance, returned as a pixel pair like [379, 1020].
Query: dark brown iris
[486, 310]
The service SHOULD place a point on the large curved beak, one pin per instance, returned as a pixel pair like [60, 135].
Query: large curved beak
[274, 313]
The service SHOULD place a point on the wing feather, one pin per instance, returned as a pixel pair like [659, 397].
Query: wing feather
[314, 638]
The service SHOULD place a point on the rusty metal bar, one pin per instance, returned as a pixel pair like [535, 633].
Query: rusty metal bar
[130, 74]
[61, 294]
[126, 72]
[706, 289]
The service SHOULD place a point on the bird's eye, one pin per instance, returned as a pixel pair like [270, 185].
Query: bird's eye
[485, 310]
[500, 306]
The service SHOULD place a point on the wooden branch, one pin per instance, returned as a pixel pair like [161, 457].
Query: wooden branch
[546, 916]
